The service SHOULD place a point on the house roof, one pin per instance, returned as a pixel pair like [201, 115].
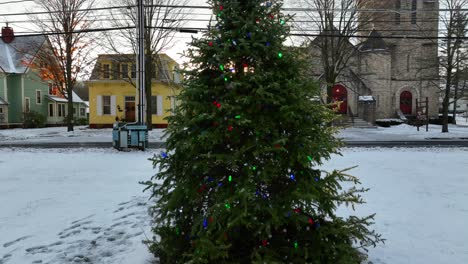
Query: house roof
[123, 58]
[15, 55]
[76, 98]
[3, 102]
[373, 42]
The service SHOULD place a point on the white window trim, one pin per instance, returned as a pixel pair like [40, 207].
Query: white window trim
[27, 99]
[40, 96]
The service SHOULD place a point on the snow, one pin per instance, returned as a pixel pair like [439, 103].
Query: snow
[366, 98]
[65, 206]
[403, 132]
[419, 196]
[58, 202]
[60, 134]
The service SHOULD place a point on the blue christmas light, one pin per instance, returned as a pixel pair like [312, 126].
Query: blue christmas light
[292, 177]
[205, 223]
[164, 154]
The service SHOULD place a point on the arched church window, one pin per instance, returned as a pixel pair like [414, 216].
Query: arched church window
[397, 12]
[414, 5]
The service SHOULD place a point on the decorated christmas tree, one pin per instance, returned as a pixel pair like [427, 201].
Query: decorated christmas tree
[240, 181]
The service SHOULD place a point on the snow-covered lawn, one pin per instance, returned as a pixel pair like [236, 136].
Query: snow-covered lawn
[62, 206]
[60, 134]
[83, 134]
[404, 132]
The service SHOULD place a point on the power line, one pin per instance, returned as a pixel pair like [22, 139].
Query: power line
[197, 30]
[15, 2]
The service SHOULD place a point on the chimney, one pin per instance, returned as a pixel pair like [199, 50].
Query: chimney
[7, 34]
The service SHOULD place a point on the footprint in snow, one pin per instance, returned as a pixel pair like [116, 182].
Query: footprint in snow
[15, 241]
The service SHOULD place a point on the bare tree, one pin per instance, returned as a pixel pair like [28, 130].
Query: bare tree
[162, 20]
[455, 22]
[338, 21]
[65, 22]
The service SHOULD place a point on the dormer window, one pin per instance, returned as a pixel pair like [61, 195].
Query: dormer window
[106, 71]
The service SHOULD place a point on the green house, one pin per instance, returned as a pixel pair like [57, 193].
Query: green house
[21, 88]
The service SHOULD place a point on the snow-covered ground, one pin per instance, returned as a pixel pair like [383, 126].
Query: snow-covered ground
[84, 134]
[403, 132]
[73, 206]
[60, 134]
[62, 206]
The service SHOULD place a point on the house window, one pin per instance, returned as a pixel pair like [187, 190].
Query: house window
[1, 110]
[133, 70]
[154, 105]
[61, 110]
[82, 112]
[124, 70]
[414, 5]
[74, 110]
[38, 97]
[106, 105]
[397, 12]
[106, 71]
[27, 105]
[51, 110]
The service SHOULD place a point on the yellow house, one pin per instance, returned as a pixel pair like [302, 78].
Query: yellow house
[113, 96]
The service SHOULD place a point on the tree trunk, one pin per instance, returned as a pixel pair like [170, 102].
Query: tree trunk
[445, 104]
[148, 84]
[69, 81]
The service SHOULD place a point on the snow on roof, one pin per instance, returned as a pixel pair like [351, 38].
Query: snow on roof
[3, 102]
[57, 99]
[14, 55]
[366, 98]
[76, 98]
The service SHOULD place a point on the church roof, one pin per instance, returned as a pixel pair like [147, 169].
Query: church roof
[373, 42]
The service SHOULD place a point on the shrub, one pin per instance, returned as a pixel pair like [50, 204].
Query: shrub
[33, 120]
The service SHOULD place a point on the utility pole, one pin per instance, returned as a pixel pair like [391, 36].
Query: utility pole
[141, 61]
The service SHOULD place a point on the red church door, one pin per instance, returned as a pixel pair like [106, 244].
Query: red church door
[406, 102]
[340, 95]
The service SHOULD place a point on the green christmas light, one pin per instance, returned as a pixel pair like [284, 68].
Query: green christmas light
[230, 178]
[280, 55]
[238, 116]
[296, 245]
[228, 206]
[282, 21]
[221, 67]
[254, 168]
[177, 231]
[310, 158]
[226, 79]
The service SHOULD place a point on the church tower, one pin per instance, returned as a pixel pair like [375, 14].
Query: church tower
[409, 29]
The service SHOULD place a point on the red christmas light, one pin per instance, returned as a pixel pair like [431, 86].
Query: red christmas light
[297, 210]
[210, 43]
[264, 242]
[230, 128]
[221, 8]
[311, 221]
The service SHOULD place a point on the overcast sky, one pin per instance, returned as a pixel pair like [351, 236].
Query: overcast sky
[21, 26]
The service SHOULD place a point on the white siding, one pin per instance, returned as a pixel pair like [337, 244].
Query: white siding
[99, 105]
